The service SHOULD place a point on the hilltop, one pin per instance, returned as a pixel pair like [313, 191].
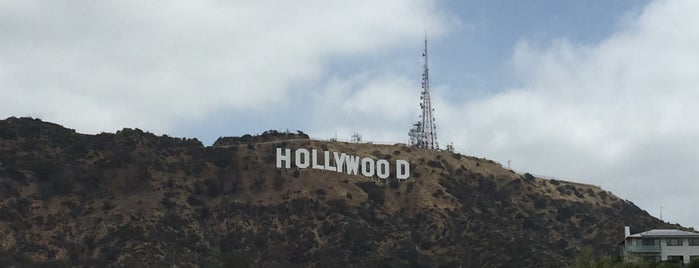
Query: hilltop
[132, 198]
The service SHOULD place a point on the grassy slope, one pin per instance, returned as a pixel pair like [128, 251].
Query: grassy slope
[133, 198]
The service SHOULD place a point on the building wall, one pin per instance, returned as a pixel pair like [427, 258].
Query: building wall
[685, 250]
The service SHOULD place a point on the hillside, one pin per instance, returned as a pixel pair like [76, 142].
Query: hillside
[135, 199]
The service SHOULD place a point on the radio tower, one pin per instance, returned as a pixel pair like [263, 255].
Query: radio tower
[424, 132]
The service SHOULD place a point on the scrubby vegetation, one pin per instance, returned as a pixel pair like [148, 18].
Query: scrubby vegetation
[586, 258]
[134, 199]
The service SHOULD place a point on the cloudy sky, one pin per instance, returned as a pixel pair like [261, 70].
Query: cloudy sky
[600, 92]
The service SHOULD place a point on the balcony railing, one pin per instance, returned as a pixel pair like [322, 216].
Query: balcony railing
[643, 249]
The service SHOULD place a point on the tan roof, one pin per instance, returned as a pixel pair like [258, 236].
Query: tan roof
[666, 233]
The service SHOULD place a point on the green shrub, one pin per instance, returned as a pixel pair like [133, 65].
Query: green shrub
[528, 178]
[278, 182]
[167, 203]
[435, 164]
[375, 192]
[339, 206]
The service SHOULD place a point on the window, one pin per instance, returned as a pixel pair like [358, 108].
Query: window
[651, 259]
[679, 259]
[693, 258]
[648, 242]
[674, 241]
[694, 241]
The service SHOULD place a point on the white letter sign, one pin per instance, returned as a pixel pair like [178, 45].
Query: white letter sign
[342, 163]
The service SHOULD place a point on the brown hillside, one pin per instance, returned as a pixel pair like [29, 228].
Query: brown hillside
[133, 199]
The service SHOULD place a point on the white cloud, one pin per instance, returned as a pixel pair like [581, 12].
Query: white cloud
[621, 114]
[374, 103]
[100, 66]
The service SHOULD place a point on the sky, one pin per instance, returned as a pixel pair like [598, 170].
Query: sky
[598, 92]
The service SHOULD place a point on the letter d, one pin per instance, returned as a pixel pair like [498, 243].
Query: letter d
[402, 169]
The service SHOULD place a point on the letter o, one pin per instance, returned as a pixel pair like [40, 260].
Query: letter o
[367, 167]
[382, 169]
[306, 158]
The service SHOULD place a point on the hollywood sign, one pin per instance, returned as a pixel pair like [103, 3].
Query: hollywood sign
[342, 163]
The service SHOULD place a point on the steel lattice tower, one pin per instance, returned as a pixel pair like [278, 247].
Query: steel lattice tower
[424, 132]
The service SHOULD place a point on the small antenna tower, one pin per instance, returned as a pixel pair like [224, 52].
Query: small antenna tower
[424, 132]
[450, 147]
[356, 137]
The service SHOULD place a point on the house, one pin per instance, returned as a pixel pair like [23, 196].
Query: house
[660, 245]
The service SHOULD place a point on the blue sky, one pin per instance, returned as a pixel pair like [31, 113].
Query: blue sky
[482, 46]
[599, 92]
[471, 55]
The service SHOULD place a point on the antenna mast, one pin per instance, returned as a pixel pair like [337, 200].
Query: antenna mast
[424, 132]
[356, 137]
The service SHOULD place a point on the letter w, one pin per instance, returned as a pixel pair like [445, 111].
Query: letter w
[352, 164]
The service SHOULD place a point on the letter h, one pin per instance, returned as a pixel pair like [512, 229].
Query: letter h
[283, 157]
